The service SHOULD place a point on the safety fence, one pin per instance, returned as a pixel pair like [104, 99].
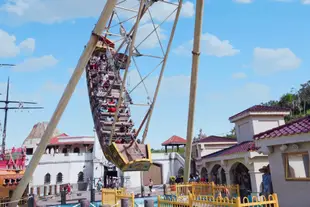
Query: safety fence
[207, 189]
[211, 201]
[113, 197]
[5, 201]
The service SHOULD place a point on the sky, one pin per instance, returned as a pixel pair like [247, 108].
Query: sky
[251, 52]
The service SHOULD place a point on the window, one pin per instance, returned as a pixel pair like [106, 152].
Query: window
[59, 178]
[81, 177]
[64, 150]
[29, 151]
[47, 178]
[76, 150]
[297, 166]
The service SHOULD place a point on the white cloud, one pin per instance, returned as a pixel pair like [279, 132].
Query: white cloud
[10, 48]
[53, 11]
[243, 1]
[53, 87]
[305, 1]
[27, 45]
[36, 64]
[152, 40]
[210, 45]
[250, 93]
[266, 60]
[177, 85]
[253, 92]
[239, 75]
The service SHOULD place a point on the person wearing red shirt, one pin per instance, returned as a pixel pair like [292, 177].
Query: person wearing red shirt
[112, 109]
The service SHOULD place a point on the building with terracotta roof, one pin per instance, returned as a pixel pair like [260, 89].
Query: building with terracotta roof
[79, 159]
[204, 145]
[174, 141]
[240, 163]
[288, 148]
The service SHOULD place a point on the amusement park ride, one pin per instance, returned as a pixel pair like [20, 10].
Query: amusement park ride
[105, 60]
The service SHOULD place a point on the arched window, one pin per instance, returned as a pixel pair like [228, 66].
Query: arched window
[76, 150]
[64, 150]
[59, 178]
[81, 177]
[47, 178]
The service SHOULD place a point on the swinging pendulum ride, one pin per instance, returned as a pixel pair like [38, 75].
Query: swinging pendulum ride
[119, 45]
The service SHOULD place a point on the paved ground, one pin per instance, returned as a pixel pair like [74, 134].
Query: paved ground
[76, 196]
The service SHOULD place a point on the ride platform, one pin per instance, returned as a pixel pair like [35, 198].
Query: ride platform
[129, 157]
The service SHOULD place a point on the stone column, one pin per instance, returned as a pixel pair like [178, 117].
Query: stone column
[228, 180]
[209, 176]
[256, 180]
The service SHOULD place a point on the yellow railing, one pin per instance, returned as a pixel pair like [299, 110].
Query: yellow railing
[211, 201]
[113, 197]
[207, 189]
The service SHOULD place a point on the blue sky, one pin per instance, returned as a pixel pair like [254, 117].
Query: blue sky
[252, 51]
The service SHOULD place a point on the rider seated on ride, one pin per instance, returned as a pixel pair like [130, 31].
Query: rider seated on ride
[112, 109]
[120, 141]
[105, 77]
[106, 84]
[110, 118]
[103, 109]
[122, 129]
[111, 101]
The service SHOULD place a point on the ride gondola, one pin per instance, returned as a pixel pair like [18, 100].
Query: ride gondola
[104, 86]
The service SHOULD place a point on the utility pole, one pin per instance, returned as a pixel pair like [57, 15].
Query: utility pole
[6, 109]
[193, 86]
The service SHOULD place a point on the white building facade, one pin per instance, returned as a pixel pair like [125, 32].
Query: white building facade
[288, 149]
[240, 163]
[79, 160]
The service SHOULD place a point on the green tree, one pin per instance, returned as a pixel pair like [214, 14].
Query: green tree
[232, 133]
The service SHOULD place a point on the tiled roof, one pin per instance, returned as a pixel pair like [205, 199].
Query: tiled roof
[262, 109]
[238, 148]
[55, 140]
[300, 126]
[216, 139]
[39, 129]
[174, 140]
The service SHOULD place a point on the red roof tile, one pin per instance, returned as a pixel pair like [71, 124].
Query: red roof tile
[300, 126]
[216, 139]
[260, 108]
[55, 140]
[238, 148]
[174, 140]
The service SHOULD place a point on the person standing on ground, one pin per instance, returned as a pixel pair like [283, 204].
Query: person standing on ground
[266, 183]
[151, 185]
[99, 185]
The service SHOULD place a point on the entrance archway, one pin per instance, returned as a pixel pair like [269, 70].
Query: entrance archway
[240, 176]
[218, 175]
[215, 177]
[223, 177]
[204, 174]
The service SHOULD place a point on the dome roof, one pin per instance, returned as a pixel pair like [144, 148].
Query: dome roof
[39, 129]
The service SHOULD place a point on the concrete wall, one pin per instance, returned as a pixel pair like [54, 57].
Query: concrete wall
[171, 163]
[244, 129]
[247, 127]
[290, 193]
[206, 148]
[69, 166]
